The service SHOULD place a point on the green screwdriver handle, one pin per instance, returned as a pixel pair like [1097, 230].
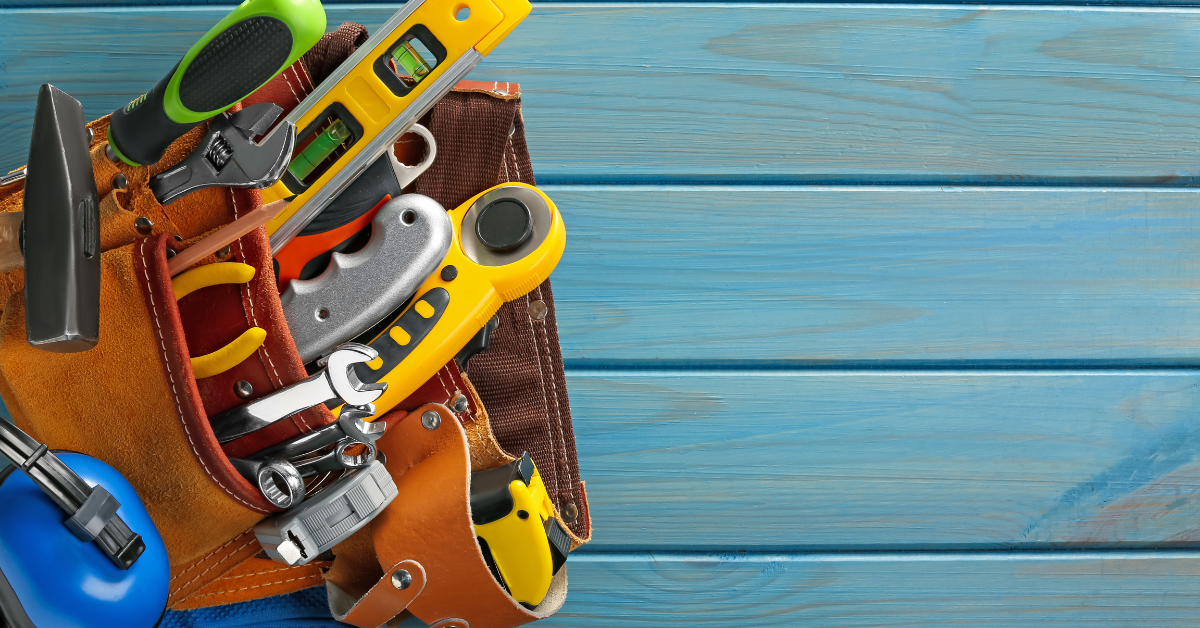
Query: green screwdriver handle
[255, 42]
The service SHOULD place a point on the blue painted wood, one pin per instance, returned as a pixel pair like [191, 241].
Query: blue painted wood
[715, 346]
[653, 590]
[842, 93]
[1015, 590]
[817, 276]
[778, 93]
[852, 460]
[39, 4]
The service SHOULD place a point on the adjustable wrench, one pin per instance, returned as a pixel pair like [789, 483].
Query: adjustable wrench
[228, 156]
[337, 381]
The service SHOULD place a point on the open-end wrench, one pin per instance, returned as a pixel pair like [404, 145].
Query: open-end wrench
[350, 428]
[228, 156]
[336, 381]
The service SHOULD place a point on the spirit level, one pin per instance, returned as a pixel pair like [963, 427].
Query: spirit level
[356, 115]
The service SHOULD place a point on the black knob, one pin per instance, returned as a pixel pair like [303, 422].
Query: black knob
[504, 225]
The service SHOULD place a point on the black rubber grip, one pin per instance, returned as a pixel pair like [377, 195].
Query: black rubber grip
[365, 192]
[142, 131]
[235, 63]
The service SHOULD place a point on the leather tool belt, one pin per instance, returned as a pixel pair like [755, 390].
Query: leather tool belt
[133, 401]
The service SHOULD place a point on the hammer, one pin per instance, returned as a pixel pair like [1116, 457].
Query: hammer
[57, 235]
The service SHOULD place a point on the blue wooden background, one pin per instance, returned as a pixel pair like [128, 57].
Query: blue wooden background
[873, 314]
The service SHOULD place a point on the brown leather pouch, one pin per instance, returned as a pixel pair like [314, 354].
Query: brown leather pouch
[133, 401]
[428, 558]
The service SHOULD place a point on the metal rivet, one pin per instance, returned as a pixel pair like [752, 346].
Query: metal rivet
[322, 313]
[538, 310]
[170, 253]
[449, 272]
[119, 181]
[224, 253]
[243, 389]
[459, 403]
[431, 419]
[570, 512]
[178, 238]
[401, 579]
[143, 225]
[91, 136]
[111, 154]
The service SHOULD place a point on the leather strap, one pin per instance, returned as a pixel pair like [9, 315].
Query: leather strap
[396, 590]
[430, 522]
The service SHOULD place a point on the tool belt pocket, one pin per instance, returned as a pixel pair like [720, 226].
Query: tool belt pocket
[134, 400]
[175, 352]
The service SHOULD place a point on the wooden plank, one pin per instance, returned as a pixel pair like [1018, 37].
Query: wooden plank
[805, 460]
[778, 93]
[891, 590]
[831, 590]
[822, 93]
[819, 275]
[35, 4]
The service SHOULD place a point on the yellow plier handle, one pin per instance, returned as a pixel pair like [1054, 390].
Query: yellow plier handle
[244, 345]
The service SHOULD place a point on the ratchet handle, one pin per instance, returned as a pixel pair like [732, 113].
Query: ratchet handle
[256, 41]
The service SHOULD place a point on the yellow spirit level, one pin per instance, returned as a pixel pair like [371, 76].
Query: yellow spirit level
[518, 532]
[507, 240]
[357, 113]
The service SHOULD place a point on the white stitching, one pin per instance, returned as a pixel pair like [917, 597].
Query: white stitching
[253, 320]
[289, 85]
[562, 438]
[304, 80]
[258, 586]
[243, 546]
[210, 555]
[446, 389]
[541, 374]
[171, 376]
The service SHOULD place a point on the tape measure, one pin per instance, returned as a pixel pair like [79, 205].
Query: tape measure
[518, 530]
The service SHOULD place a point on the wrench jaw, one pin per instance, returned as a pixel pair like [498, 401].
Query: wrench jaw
[337, 381]
[345, 382]
[228, 156]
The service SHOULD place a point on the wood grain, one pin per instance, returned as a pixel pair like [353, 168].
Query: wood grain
[775, 93]
[812, 93]
[824, 275]
[770, 460]
[652, 590]
[755, 591]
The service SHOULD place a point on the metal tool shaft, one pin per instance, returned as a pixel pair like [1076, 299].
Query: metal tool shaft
[258, 414]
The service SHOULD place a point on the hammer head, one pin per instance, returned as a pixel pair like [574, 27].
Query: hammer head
[61, 230]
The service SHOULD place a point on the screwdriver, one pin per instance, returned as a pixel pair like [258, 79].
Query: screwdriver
[256, 41]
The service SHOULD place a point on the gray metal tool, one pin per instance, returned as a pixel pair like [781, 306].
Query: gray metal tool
[281, 480]
[278, 480]
[57, 235]
[301, 534]
[337, 381]
[229, 157]
[350, 428]
[410, 237]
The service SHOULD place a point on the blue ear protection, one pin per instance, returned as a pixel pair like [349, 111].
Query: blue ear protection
[51, 578]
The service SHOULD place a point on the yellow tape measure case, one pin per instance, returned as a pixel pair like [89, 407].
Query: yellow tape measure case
[518, 530]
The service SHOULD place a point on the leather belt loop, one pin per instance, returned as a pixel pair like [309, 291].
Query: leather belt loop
[393, 593]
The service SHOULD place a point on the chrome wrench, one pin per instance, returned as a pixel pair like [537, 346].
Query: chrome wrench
[337, 381]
